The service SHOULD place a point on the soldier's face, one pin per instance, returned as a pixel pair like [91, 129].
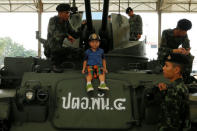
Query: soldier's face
[130, 13]
[168, 70]
[182, 33]
[94, 44]
[64, 15]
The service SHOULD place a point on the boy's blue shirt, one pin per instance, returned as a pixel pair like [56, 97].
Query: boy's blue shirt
[94, 58]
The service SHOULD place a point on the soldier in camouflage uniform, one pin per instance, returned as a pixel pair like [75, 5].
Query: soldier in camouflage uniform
[59, 28]
[175, 103]
[171, 41]
[135, 22]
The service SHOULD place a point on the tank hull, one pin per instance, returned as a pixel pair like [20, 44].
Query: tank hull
[124, 107]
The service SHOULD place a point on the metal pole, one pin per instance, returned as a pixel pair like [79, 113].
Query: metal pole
[40, 9]
[119, 7]
[99, 5]
[159, 22]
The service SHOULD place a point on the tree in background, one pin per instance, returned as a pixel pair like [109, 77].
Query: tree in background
[8, 48]
[2, 46]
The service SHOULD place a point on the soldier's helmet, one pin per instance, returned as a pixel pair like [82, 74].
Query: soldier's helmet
[184, 24]
[63, 7]
[128, 10]
[94, 36]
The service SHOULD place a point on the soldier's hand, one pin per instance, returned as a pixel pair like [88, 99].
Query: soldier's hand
[71, 39]
[183, 51]
[162, 86]
[138, 36]
[84, 22]
[83, 71]
[179, 50]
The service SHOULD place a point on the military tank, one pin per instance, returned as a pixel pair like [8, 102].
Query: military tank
[33, 97]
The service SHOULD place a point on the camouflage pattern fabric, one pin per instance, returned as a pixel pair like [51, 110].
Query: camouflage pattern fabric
[135, 26]
[58, 31]
[170, 42]
[175, 108]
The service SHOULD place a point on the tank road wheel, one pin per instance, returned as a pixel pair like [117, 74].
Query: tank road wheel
[4, 125]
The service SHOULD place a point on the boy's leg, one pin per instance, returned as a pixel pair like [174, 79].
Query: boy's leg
[102, 82]
[89, 86]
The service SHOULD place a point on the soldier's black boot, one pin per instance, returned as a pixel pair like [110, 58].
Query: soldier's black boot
[57, 69]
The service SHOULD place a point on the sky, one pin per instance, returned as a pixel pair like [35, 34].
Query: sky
[21, 28]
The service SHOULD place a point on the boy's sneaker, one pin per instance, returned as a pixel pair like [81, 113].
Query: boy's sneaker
[89, 88]
[103, 87]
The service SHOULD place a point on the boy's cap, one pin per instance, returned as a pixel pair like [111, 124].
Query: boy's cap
[177, 58]
[63, 7]
[94, 36]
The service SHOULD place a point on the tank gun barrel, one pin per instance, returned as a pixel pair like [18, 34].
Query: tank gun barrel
[74, 3]
[88, 15]
[105, 15]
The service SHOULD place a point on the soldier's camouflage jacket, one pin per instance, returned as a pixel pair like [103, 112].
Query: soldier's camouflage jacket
[170, 42]
[58, 31]
[135, 22]
[175, 107]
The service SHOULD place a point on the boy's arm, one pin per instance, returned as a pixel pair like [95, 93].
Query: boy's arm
[104, 66]
[104, 62]
[84, 66]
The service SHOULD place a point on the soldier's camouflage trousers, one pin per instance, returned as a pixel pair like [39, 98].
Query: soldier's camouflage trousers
[188, 69]
[60, 55]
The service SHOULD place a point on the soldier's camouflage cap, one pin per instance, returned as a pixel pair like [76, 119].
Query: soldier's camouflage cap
[128, 10]
[94, 36]
[63, 7]
[177, 58]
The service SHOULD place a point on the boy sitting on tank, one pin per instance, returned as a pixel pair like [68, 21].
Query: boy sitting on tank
[95, 60]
